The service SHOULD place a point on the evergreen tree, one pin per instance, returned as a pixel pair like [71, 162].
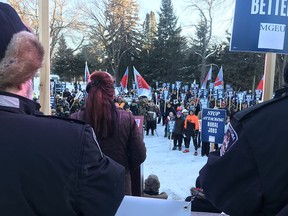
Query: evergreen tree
[122, 35]
[64, 62]
[167, 57]
[148, 38]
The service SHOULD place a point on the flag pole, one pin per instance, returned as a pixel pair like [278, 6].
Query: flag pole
[85, 78]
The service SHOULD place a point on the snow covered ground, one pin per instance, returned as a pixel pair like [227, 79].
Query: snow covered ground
[177, 171]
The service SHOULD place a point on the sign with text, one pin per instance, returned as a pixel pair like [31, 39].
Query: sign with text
[213, 125]
[260, 26]
[139, 121]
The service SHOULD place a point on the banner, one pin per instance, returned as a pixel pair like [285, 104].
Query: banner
[260, 26]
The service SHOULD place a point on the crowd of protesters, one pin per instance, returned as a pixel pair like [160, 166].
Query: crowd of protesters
[181, 110]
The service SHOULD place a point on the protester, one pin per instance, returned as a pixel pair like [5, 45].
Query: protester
[151, 117]
[178, 131]
[50, 166]
[167, 116]
[134, 108]
[205, 150]
[118, 134]
[248, 176]
[169, 127]
[151, 188]
[191, 130]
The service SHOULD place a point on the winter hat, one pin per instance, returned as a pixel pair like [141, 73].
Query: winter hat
[184, 111]
[179, 113]
[21, 54]
[152, 183]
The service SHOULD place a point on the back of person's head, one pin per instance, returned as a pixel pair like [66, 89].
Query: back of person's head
[21, 54]
[100, 107]
[152, 184]
[191, 112]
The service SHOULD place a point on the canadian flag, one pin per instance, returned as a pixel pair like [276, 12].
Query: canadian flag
[124, 81]
[87, 73]
[207, 78]
[261, 84]
[219, 82]
[142, 87]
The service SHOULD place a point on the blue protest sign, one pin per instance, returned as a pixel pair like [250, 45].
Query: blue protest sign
[215, 94]
[230, 94]
[186, 87]
[220, 93]
[171, 125]
[260, 26]
[258, 95]
[52, 102]
[168, 86]
[240, 97]
[213, 125]
[165, 94]
[178, 84]
[183, 97]
[211, 86]
[204, 103]
[249, 98]
[173, 86]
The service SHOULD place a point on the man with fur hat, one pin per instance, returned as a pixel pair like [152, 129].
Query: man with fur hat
[44, 170]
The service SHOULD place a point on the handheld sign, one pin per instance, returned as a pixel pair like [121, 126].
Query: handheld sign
[204, 103]
[171, 126]
[260, 26]
[213, 125]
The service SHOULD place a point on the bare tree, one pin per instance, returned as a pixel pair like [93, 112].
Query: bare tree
[204, 29]
[63, 19]
[112, 24]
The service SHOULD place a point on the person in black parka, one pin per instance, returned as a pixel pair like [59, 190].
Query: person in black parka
[49, 165]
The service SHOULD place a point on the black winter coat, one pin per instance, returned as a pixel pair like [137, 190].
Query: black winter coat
[53, 166]
[179, 125]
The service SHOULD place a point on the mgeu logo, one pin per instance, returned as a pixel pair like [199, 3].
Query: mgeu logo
[271, 36]
[272, 27]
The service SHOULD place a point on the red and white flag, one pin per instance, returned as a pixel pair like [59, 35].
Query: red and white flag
[124, 81]
[87, 73]
[261, 84]
[219, 82]
[142, 87]
[207, 78]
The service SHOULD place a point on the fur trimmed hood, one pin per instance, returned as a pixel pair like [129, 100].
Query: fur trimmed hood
[23, 57]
